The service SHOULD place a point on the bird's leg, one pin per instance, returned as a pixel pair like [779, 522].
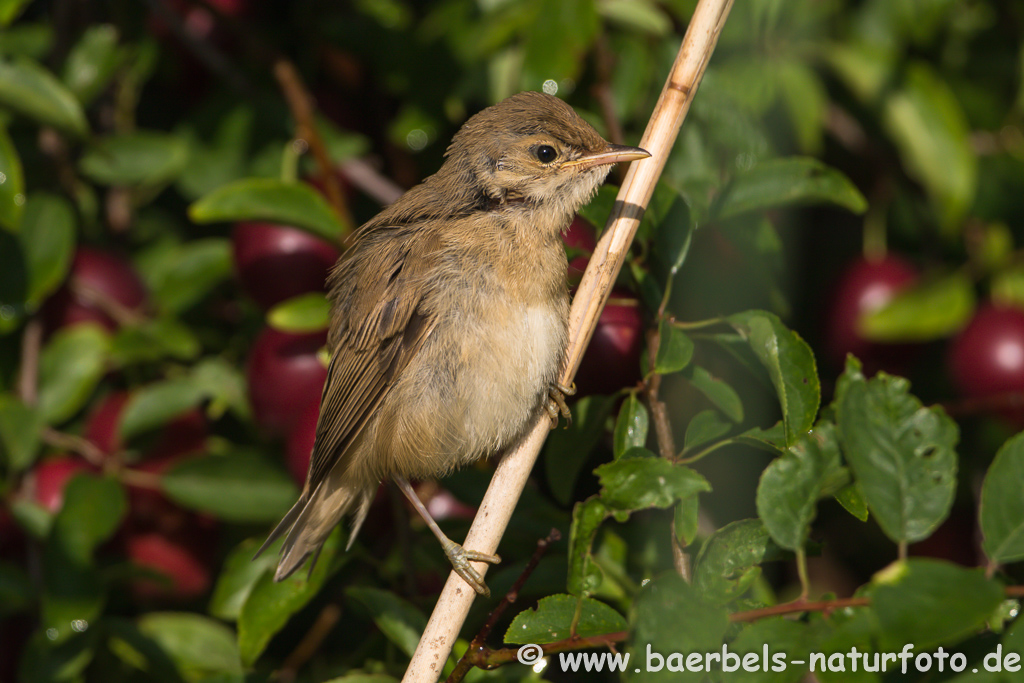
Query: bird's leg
[556, 404]
[457, 555]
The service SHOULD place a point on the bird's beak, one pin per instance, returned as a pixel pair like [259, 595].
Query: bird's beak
[612, 154]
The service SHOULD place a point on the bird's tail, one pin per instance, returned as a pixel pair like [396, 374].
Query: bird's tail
[311, 520]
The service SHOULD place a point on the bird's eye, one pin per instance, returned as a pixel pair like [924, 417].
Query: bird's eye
[546, 153]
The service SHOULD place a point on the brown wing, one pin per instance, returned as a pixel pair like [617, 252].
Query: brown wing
[381, 327]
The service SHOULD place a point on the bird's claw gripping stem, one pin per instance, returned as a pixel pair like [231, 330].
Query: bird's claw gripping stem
[556, 404]
[461, 558]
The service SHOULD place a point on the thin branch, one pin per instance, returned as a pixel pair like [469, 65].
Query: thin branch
[301, 105]
[369, 180]
[798, 606]
[475, 654]
[28, 371]
[493, 658]
[74, 443]
[512, 473]
[310, 643]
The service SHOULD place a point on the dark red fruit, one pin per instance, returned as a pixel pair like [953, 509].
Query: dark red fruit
[284, 375]
[612, 360]
[300, 441]
[987, 357]
[865, 286]
[580, 237]
[277, 262]
[99, 284]
[51, 477]
[188, 574]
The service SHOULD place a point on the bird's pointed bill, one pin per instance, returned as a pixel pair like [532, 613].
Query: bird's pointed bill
[612, 154]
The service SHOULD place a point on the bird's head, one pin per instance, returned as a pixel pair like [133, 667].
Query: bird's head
[533, 149]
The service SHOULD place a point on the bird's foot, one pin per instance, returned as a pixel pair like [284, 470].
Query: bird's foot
[556, 404]
[461, 558]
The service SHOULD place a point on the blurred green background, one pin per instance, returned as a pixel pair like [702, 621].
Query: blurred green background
[177, 176]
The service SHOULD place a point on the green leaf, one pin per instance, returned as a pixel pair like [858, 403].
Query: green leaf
[48, 241]
[225, 384]
[932, 135]
[16, 591]
[705, 426]
[774, 636]
[10, 9]
[92, 62]
[153, 340]
[12, 184]
[156, 404]
[553, 47]
[294, 204]
[551, 620]
[806, 102]
[788, 493]
[143, 157]
[193, 270]
[853, 501]
[566, 450]
[239, 487]
[398, 620]
[729, 561]
[638, 482]
[599, 208]
[73, 590]
[640, 15]
[790, 365]
[70, 366]
[687, 520]
[630, 425]
[1002, 506]
[31, 90]
[674, 349]
[304, 313]
[587, 516]
[138, 651]
[723, 396]
[672, 621]
[772, 440]
[672, 238]
[791, 181]
[929, 602]
[92, 510]
[926, 312]
[199, 646]
[20, 425]
[44, 661]
[237, 578]
[902, 454]
[270, 604]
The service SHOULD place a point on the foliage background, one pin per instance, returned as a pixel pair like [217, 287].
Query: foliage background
[824, 130]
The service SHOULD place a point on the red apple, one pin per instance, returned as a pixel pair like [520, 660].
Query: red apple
[612, 360]
[277, 262]
[284, 375]
[866, 286]
[987, 357]
[98, 282]
[51, 477]
[300, 441]
[189, 575]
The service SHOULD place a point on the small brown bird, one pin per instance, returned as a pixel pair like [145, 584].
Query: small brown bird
[448, 319]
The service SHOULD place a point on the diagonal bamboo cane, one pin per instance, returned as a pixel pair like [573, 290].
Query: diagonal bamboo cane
[511, 474]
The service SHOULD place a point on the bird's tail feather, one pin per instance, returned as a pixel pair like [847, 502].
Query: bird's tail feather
[311, 520]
